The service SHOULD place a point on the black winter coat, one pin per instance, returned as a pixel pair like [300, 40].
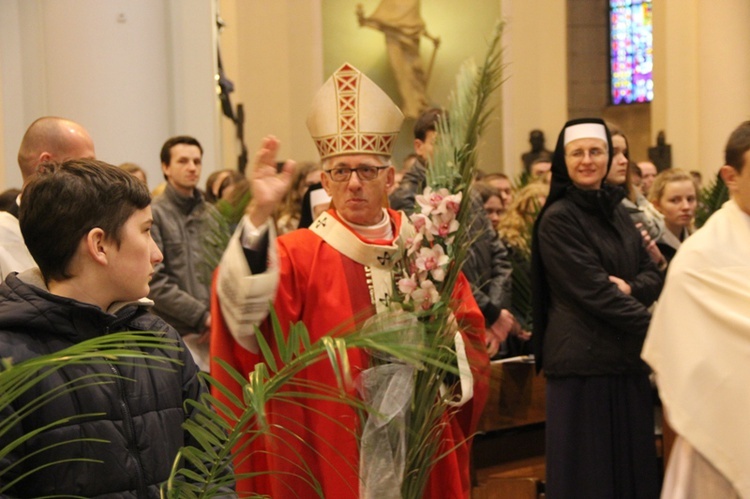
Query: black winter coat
[141, 413]
[593, 328]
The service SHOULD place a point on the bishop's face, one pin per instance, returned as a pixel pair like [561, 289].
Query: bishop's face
[357, 199]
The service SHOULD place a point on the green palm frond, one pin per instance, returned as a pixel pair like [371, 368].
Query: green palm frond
[522, 180]
[455, 156]
[219, 227]
[710, 199]
[18, 378]
[226, 429]
[452, 167]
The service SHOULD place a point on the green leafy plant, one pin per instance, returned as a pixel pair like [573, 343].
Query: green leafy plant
[219, 228]
[710, 199]
[16, 379]
[226, 430]
[442, 218]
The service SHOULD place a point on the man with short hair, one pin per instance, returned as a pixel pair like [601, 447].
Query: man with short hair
[182, 221]
[330, 277]
[487, 266]
[648, 174]
[87, 224]
[699, 342]
[47, 139]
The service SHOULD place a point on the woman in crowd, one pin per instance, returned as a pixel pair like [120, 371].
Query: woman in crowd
[305, 175]
[515, 231]
[221, 185]
[643, 213]
[515, 226]
[135, 171]
[674, 194]
[592, 283]
[492, 201]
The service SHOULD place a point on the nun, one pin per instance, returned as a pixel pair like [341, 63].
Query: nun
[592, 285]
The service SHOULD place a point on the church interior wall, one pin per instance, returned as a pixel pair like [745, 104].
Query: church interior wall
[462, 37]
[136, 82]
[132, 72]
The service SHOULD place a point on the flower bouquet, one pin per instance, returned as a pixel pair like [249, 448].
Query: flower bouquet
[424, 281]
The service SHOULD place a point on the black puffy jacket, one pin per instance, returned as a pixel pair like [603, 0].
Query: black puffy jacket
[139, 415]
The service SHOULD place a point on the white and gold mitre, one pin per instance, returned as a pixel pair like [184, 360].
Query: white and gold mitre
[351, 115]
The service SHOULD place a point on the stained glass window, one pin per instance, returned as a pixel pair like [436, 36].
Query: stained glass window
[631, 51]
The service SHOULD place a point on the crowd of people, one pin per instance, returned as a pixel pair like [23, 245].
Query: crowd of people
[567, 264]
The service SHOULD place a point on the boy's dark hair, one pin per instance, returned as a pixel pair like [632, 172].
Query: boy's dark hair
[427, 122]
[166, 154]
[737, 145]
[65, 201]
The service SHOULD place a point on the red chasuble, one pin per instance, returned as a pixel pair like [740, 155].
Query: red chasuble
[325, 289]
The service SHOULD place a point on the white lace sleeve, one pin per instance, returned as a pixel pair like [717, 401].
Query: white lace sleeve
[244, 298]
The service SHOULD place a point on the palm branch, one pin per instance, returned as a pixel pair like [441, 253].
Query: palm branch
[223, 219]
[225, 429]
[710, 199]
[452, 167]
[16, 379]
[520, 259]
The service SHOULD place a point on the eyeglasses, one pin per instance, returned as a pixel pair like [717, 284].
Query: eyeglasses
[594, 153]
[364, 172]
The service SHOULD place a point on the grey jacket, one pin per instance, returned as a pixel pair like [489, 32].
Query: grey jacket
[181, 285]
[487, 266]
[643, 212]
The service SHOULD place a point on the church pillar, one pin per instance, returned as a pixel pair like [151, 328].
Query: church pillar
[701, 77]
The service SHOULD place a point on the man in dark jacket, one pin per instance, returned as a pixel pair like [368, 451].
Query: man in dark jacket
[487, 266]
[87, 224]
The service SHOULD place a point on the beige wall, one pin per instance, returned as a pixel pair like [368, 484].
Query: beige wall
[535, 95]
[701, 77]
[278, 53]
[272, 51]
[133, 73]
[463, 33]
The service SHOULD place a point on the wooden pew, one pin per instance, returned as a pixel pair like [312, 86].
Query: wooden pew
[516, 396]
[508, 454]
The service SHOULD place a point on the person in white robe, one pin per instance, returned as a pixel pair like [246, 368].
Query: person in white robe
[698, 344]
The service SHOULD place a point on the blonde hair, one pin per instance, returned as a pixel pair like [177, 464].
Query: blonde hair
[666, 177]
[515, 224]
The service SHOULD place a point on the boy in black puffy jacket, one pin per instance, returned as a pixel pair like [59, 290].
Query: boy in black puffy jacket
[87, 225]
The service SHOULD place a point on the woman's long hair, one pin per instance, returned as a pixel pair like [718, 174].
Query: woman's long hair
[516, 223]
